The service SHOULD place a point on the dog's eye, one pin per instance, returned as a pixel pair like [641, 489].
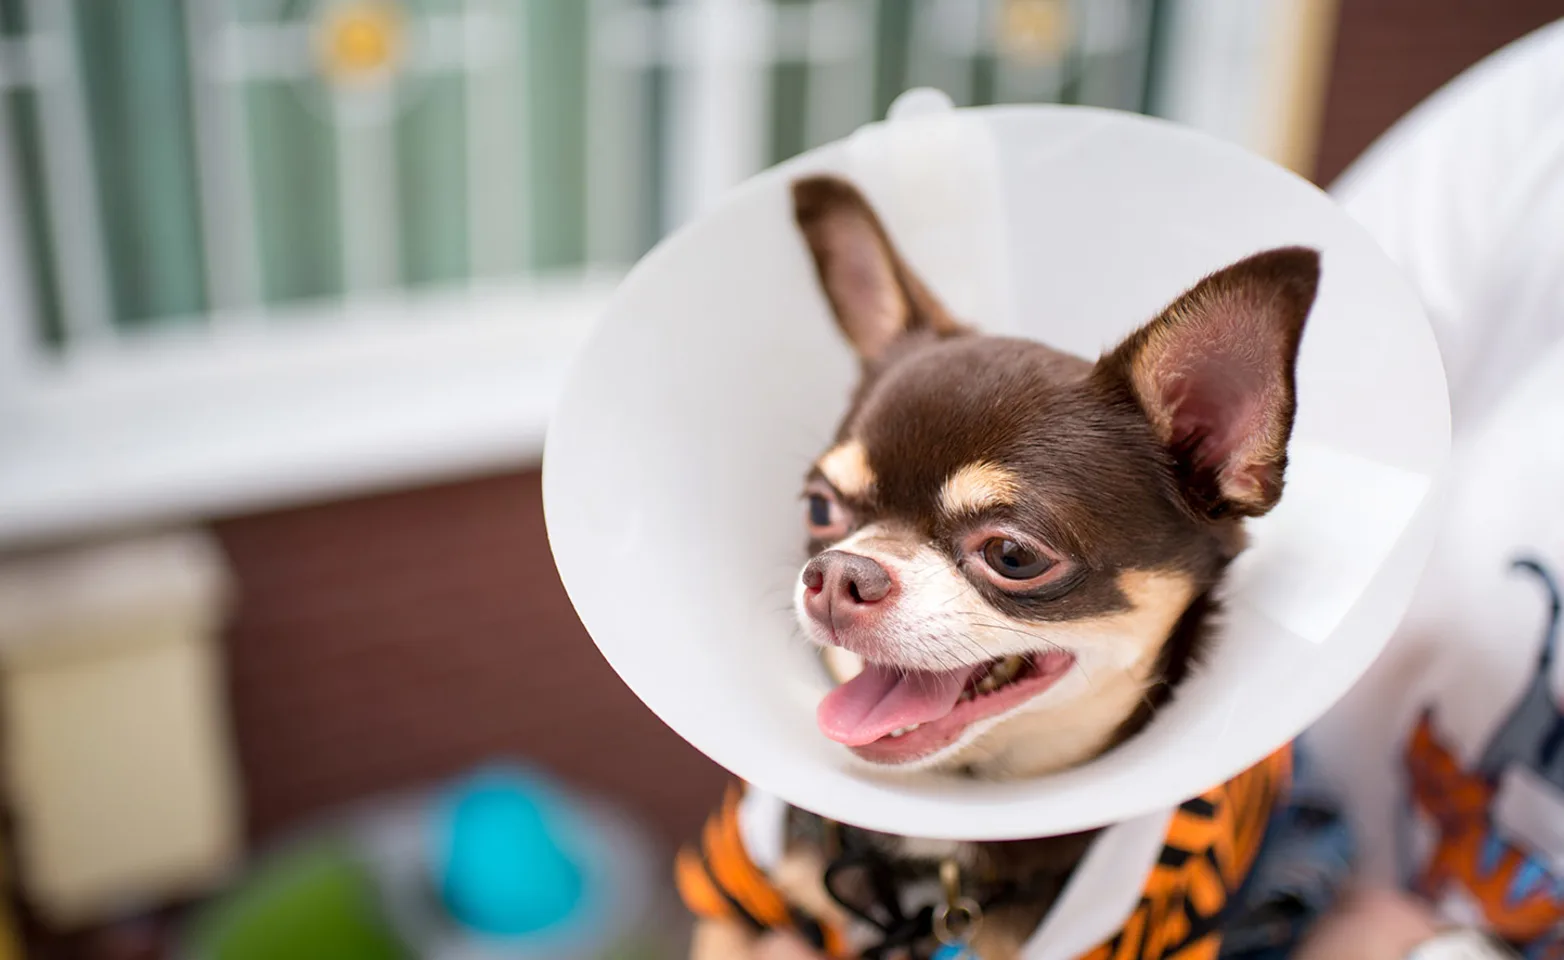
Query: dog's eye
[1013, 560]
[825, 516]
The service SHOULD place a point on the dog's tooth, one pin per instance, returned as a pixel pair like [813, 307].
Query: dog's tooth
[999, 674]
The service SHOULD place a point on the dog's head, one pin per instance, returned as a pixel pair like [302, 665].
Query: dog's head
[1018, 545]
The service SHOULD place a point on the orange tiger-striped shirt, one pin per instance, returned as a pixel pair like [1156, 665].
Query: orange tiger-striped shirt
[1211, 844]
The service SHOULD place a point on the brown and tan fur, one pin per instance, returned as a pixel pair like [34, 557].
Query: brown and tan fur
[1135, 470]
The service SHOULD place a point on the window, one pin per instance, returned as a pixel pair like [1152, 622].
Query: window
[258, 250]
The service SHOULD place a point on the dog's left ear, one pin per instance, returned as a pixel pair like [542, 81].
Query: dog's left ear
[1214, 375]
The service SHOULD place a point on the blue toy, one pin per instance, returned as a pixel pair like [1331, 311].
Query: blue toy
[508, 855]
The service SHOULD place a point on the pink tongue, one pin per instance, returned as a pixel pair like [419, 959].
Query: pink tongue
[881, 699]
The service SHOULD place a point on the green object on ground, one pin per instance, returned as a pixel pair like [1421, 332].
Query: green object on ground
[315, 904]
[638, 947]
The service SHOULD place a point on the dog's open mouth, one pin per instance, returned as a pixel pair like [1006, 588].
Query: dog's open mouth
[892, 715]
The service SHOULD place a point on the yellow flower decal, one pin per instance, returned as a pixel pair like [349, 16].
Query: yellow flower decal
[361, 40]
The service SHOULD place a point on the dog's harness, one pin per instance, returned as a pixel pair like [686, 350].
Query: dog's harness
[1210, 845]
[950, 920]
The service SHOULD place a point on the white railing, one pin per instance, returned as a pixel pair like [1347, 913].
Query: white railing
[262, 400]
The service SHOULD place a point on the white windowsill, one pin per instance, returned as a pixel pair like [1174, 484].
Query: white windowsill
[188, 428]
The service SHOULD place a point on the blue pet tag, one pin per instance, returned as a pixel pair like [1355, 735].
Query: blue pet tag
[954, 951]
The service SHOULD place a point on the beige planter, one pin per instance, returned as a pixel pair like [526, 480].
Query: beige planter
[117, 751]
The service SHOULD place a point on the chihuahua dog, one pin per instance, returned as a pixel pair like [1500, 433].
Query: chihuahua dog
[1013, 551]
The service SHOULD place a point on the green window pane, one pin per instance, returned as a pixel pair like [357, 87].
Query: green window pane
[626, 118]
[13, 18]
[27, 156]
[293, 158]
[789, 98]
[1114, 74]
[984, 68]
[1157, 18]
[431, 152]
[257, 11]
[555, 77]
[893, 40]
[659, 93]
[136, 86]
[789, 109]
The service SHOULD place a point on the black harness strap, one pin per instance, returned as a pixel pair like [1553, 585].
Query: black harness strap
[901, 934]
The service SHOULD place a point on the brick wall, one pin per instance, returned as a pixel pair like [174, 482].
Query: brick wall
[397, 638]
[1390, 54]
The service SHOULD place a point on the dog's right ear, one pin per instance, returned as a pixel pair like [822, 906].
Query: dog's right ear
[875, 295]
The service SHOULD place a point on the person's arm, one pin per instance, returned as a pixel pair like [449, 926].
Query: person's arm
[778, 947]
[721, 940]
[1383, 924]
[1370, 925]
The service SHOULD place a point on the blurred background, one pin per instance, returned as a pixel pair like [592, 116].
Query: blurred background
[286, 290]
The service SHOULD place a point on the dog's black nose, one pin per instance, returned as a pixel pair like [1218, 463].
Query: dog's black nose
[840, 585]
